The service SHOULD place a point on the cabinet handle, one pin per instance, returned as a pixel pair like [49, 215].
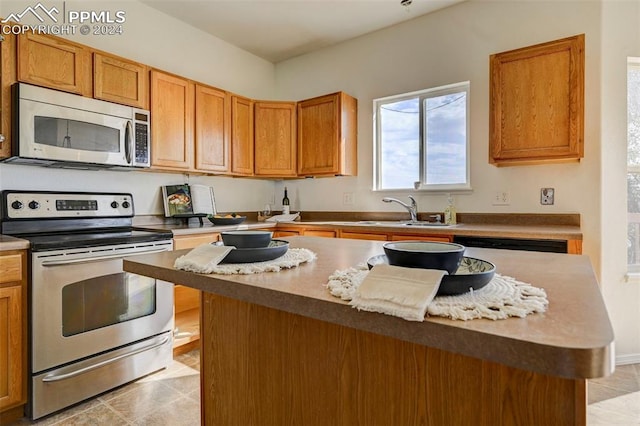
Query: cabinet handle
[1, 138]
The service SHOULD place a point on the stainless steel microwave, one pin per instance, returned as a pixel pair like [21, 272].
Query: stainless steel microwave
[58, 129]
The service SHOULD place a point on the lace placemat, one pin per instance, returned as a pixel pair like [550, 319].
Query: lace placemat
[291, 259]
[502, 298]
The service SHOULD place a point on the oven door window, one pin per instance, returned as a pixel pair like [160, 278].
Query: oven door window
[77, 135]
[106, 300]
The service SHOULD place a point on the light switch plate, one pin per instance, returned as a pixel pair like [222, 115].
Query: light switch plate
[547, 196]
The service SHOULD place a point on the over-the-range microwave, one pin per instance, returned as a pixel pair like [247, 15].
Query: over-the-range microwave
[58, 129]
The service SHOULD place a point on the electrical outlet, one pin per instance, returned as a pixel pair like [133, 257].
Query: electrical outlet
[547, 196]
[501, 198]
[347, 198]
[272, 199]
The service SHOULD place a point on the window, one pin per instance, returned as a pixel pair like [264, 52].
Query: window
[422, 139]
[633, 164]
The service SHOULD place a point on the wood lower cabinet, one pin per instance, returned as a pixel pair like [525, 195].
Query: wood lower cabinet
[242, 137]
[320, 233]
[172, 123]
[54, 62]
[363, 236]
[275, 139]
[7, 78]
[537, 103]
[328, 136]
[187, 300]
[213, 129]
[120, 80]
[13, 334]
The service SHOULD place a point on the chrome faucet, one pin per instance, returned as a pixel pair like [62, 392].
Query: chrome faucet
[412, 209]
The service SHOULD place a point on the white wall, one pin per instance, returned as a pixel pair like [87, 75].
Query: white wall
[158, 40]
[620, 39]
[450, 46]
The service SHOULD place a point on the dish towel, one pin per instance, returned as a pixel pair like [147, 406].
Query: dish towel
[398, 291]
[283, 217]
[203, 258]
[502, 298]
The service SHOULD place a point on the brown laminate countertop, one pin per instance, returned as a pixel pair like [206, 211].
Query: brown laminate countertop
[552, 232]
[573, 339]
[195, 228]
[532, 231]
[11, 243]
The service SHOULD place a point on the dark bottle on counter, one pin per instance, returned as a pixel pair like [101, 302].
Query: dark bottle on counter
[285, 202]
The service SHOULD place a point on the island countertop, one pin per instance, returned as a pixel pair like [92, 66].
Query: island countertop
[572, 339]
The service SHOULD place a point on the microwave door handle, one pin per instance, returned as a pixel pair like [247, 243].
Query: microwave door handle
[128, 136]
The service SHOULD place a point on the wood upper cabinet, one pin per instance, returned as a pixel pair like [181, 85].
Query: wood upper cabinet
[7, 78]
[275, 139]
[172, 121]
[242, 147]
[537, 103]
[119, 80]
[13, 332]
[327, 136]
[213, 129]
[53, 62]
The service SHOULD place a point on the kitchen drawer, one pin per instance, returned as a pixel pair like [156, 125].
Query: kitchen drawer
[363, 236]
[10, 268]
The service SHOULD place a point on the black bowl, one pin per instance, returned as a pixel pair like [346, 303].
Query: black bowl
[472, 274]
[247, 239]
[226, 220]
[275, 249]
[425, 254]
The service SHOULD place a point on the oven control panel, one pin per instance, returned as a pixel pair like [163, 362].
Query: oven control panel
[53, 205]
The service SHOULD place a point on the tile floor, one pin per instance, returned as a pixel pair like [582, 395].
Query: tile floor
[171, 397]
[168, 397]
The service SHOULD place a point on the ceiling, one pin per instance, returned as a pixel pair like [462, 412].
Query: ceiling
[279, 30]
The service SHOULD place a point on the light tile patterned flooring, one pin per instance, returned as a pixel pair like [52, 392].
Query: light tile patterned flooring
[171, 397]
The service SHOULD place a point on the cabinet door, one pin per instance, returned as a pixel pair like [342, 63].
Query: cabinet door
[7, 78]
[241, 136]
[327, 136]
[121, 81]
[172, 122]
[13, 330]
[363, 236]
[319, 233]
[55, 63]
[11, 367]
[213, 128]
[537, 103]
[275, 139]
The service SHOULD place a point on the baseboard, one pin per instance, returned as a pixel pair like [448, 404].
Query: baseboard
[628, 359]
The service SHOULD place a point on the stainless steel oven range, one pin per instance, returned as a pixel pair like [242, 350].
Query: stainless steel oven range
[93, 326]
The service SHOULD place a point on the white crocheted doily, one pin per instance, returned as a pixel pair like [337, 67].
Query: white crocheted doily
[292, 258]
[502, 298]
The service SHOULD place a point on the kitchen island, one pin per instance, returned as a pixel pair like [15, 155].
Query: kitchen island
[277, 348]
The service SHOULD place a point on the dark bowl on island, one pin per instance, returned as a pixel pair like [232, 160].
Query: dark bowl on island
[425, 254]
[246, 239]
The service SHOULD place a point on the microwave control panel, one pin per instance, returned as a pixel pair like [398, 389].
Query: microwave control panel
[142, 137]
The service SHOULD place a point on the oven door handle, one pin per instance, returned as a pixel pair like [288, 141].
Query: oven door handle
[58, 377]
[96, 258]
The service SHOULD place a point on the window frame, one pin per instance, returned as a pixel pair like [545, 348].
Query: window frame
[633, 269]
[422, 95]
